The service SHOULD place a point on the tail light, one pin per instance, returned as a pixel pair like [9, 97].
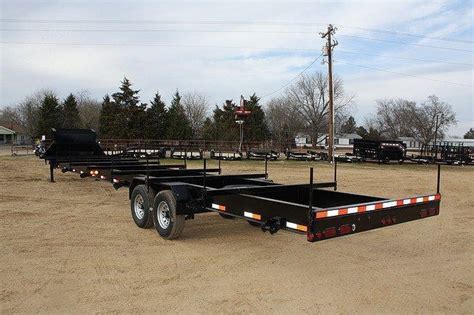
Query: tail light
[330, 232]
[345, 229]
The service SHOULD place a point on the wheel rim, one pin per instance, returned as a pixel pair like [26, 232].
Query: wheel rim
[138, 207]
[163, 215]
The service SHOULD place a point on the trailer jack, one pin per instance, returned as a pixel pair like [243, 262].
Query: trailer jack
[273, 225]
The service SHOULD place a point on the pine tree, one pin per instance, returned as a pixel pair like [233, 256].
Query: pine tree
[109, 126]
[178, 125]
[71, 118]
[349, 126]
[49, 115]
[156, 118]
[131, 117]
[255, 125]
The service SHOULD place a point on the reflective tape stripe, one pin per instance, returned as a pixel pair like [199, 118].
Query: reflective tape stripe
[218, 207]
[252, 215]
[375, 206]
[389, 204]
[296, 226]
[352, 210]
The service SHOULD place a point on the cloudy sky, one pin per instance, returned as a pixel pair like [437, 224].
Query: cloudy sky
[387, 49]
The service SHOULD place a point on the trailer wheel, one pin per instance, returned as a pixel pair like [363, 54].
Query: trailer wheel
[167, 223]
[140, 207]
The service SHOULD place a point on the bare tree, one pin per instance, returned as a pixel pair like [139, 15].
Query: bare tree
[25, 114]
[196, 107]
[89, 110]
[283, 121]
[394, 118]
[309, 97]
[432, 120]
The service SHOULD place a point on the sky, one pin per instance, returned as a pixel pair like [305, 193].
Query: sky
[222, 49]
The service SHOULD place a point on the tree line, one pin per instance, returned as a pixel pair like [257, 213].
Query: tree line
[301, 108]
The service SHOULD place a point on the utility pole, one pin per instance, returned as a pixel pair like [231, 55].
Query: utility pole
[328, 52]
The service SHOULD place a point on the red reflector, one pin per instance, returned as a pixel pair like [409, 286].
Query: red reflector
[345, 229]
[423, 213]
[310, 237]
[329, 232]
[432, 211]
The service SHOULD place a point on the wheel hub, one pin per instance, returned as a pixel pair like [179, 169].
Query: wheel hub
[163, 215]
[138, 207]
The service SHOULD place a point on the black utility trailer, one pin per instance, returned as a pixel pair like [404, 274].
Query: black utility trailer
[382, 151]
[299, 155]
[262, 155]
[315, 209]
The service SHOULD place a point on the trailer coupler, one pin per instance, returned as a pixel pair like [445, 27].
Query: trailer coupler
[273, 225]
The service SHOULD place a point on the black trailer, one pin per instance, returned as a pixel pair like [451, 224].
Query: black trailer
[262, 155]
[382, 151]
[299, 155]
[227, 156]
[186, 154]
[317, 210]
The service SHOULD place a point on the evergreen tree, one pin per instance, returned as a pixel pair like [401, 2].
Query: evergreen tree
[178, 125]
[70, 115]
[49, 115]
[255, 125]
[349, 126]
[469, 134]
[131, 116]
[109, 126]
[156, 118]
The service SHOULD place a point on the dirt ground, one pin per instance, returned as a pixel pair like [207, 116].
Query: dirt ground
[72, 247]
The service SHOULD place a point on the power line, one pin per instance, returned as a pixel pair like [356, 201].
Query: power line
[408, 34]
[157, 45]
[405, 43]
[291, 81]
[154, 30]
[230, 47]
[404, 74]
[222, 31]
[405, 58]
[217, 22]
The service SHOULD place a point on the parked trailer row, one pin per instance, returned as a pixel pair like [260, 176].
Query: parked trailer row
[166, 198]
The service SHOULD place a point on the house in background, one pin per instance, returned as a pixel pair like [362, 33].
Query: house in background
[14, 135]
[340, 141]
[6, 135]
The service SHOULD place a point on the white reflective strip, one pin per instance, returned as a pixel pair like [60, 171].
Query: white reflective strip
[389, 204]
[406, 201]
[419, 199]
[431, 198]
[215, 206]
[292, 225]
[370, 208]
[248, 214]
[332, 213]
[352, 210]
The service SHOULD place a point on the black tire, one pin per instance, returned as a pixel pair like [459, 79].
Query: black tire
[167, 223]
[226, 216]
[140, 206]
